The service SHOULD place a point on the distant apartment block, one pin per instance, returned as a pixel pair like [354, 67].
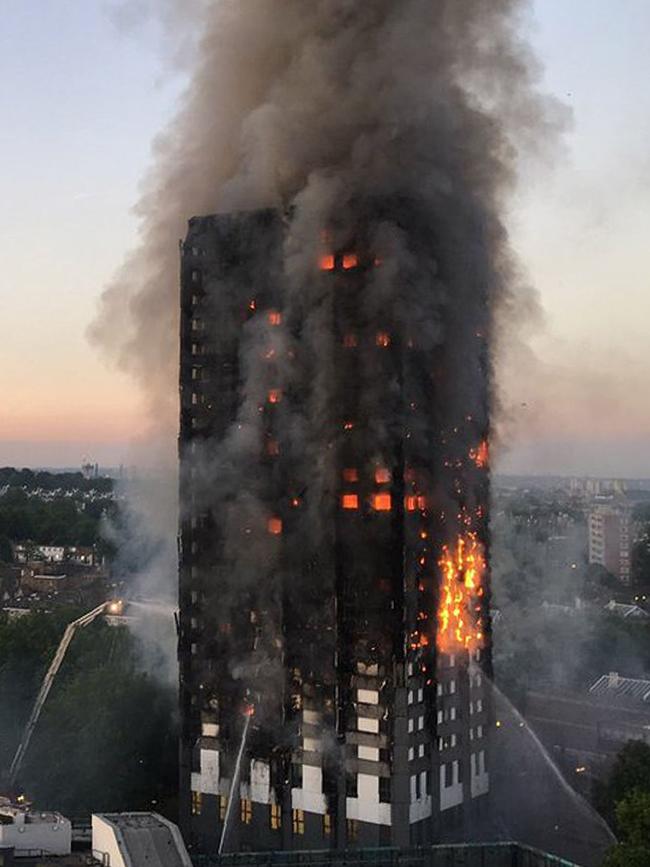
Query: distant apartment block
[611, 538]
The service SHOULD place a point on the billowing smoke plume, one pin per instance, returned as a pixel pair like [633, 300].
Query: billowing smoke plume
[313, 108]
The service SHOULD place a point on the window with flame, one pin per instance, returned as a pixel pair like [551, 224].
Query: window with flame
[272, 448]
[274, 317]
[381, 502]
[274, 526]
[276, 817]
[298, 822]
[382, 339]
[349, 501]
[350, 474]
[350, 260]
[275, 395]
[382, 475]
[246, 811]
[327, 262]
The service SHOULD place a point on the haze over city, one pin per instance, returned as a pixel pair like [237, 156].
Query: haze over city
[77, 147]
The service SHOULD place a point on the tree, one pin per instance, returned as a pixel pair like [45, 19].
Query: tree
[633, 822]
[641, 559]
[631, 773]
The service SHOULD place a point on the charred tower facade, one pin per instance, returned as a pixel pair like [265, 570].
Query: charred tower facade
[334, 635]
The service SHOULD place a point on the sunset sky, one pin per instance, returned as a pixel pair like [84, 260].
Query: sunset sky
[81, 98]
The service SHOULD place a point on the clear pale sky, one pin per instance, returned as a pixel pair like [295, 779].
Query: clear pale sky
[80, 102]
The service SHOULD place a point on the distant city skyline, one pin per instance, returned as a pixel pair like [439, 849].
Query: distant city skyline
[79, 115]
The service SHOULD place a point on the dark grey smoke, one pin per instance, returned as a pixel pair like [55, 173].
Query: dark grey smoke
[316, 106]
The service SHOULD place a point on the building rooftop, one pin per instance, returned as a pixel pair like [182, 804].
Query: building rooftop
[612, 685]
[622, 609]
[461, 855]
[145, 838]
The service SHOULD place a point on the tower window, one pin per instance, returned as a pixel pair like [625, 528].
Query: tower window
[350, 260]
[381, 502]
[298, 821]
[296, 776]
[223, 804]
[350, 341]
[275, 395]
[384, 790]
[382, 339]
[350, 501]
[352, 827]
[327, 825]
[274, 317]
[351, 475]
[382, 475]
[246, 811]
[326, 262]
[276, 817]
[274, 526]
[197, 800]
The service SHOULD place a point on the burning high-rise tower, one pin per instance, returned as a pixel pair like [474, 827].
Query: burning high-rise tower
[334, 632]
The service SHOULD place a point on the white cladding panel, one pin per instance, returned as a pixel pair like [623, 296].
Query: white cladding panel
[450, 796]
[260, 782]
[368, 811]
[209, 772]
[370, 754]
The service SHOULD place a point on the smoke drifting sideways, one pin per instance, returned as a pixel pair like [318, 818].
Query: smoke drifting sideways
[434, 101]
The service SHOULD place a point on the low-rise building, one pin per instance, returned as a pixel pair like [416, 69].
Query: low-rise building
[136, 839]
[585, 731]
[34, 833]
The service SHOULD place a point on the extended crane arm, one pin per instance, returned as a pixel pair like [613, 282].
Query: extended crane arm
[46, 685]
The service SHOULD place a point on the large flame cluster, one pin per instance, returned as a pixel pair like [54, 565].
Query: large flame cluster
[460, 608]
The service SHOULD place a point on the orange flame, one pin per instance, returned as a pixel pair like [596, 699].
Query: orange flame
[382, 339]
[460, 610]
[350, 260]
[382, 502]
[480, 455]
[327, 262]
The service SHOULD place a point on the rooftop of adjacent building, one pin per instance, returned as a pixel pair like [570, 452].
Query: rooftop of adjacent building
[134, 821]
[623, 609]
[613, 686]
[142, 838]
[459, 855]
[10, 814]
